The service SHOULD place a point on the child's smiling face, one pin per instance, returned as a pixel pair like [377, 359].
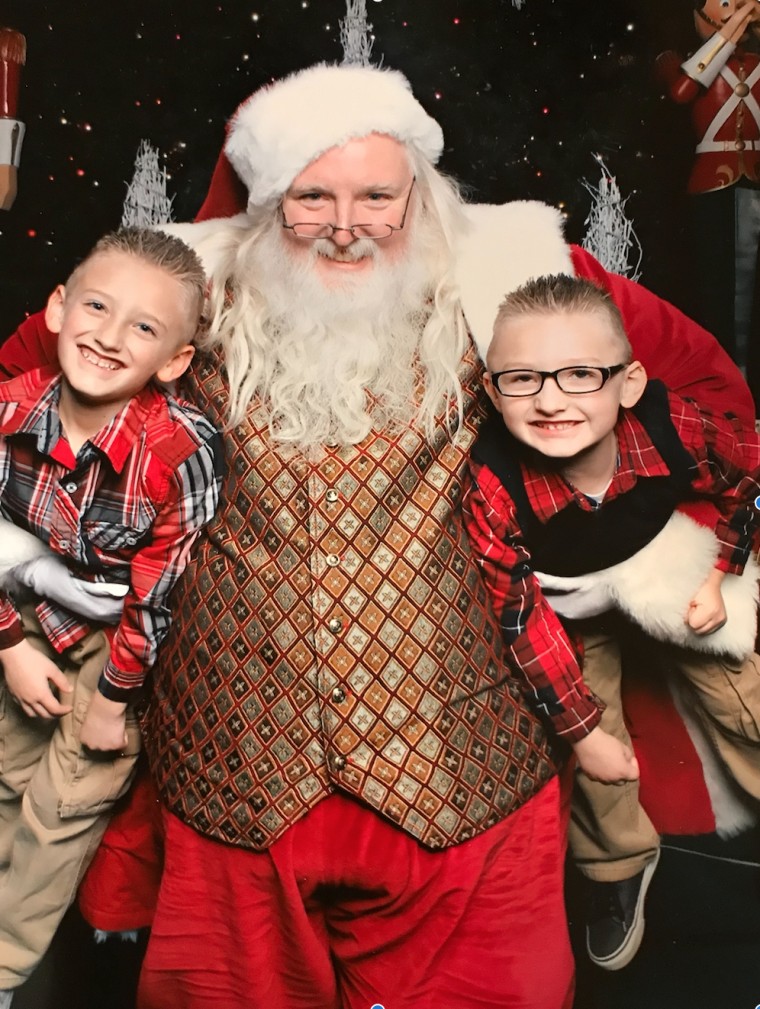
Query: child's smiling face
[122, 322]
[559, 425]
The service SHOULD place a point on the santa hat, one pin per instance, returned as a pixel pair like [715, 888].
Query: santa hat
[284, 126]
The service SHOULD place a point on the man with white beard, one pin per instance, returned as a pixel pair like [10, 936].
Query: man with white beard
[360, 807]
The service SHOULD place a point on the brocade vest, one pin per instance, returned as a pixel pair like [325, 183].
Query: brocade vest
[332, 633]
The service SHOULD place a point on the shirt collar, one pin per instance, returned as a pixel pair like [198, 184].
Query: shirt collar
[550, 493]
[36, 414]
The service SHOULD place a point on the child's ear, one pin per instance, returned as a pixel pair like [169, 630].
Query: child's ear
[634, 384]
[492, 393]
[177, 365]
[54, 309]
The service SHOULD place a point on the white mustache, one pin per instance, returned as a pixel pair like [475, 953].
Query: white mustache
[361, 248]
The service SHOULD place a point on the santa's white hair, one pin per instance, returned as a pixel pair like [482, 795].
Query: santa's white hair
[331, 363]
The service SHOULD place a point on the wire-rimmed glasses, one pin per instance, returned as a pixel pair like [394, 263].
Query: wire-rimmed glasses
[376, 231]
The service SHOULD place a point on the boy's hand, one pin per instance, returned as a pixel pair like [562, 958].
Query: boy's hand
[105, 725]
[28, 675]
[605, 759]
[707, 611]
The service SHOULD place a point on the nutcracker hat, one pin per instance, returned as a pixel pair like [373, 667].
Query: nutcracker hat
[284, 126]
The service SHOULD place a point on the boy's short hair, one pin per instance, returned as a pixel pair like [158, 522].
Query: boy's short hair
[561, 293]
[163, 251]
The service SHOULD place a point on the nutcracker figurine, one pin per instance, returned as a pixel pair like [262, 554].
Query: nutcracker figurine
[12, 58]
[721, 82]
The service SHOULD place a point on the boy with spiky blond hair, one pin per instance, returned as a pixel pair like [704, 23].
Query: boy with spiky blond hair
[576, 507]
[116, 478]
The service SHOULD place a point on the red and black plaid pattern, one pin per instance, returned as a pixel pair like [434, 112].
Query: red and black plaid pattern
[333, 632]
[126, 509]
[726, 472]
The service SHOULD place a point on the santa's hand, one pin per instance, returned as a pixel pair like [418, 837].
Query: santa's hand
[50, 578]
[28, 675]
[707, 611]
[605, 759]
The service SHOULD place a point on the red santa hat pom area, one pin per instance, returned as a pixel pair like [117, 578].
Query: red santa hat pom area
[12, 58]
[283, 127]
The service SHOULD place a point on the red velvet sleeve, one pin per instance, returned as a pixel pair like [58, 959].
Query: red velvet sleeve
[680, 86]
[671, 346]
[31, 346]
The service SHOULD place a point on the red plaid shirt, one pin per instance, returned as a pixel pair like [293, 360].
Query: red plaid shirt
[126, 509]
[728, 475]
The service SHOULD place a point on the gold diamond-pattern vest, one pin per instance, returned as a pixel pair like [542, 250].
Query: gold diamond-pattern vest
[332, 633]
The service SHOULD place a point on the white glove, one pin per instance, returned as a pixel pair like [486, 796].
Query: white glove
[50, 578]
[576, 597]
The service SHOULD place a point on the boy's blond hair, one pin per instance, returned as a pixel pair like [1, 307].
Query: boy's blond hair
[562, 294]
[163, 251]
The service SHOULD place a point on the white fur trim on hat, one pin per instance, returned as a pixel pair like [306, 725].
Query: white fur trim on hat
[283, 127]
[502, 248]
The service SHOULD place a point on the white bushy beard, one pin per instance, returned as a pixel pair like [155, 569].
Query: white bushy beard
[334, 360]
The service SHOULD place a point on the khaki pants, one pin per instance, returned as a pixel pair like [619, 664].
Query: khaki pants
[54, 806]
[611, 837]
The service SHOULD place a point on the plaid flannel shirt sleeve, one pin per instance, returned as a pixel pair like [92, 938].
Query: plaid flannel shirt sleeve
[727, 455]
[11, 631]
[191, 500]
[535, 639]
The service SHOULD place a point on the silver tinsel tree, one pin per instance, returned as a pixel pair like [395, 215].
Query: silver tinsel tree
[146, 201]
[356, 34]
[609, 234]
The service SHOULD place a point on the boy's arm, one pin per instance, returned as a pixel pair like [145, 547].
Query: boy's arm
[190, 503]
[671, 346]
[11, 631]
[727, 472]
[535, 639]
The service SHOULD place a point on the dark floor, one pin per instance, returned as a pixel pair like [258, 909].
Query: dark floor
[701, 949]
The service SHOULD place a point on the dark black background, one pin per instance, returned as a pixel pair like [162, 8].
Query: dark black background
[525, 97]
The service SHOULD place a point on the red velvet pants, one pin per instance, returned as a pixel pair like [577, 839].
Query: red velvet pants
[348, 912]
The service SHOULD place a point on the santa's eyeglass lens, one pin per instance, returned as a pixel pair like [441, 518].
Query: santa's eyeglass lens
[377, 232]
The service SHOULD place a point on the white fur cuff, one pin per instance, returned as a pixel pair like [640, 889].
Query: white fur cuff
[655, 586]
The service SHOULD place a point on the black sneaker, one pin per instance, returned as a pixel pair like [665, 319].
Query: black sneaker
[616, 918]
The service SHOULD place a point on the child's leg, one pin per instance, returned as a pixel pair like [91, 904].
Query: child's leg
[61, 821]
[23, 741]
[611, 838]
[728, 696]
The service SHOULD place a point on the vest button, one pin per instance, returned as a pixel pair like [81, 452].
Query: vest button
[335, 625]
[71, 487]
[742, 89]
[740, 145]
[333, 560]
[339, 695]
[331, 496]
[339, 763]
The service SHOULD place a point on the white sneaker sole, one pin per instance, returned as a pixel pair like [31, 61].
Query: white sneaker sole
[628, 950]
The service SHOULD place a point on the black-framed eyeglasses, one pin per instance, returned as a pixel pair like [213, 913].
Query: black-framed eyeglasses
[575, 381]
[377, 232]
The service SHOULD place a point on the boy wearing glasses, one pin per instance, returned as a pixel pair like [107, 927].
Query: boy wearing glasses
[576, 512]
